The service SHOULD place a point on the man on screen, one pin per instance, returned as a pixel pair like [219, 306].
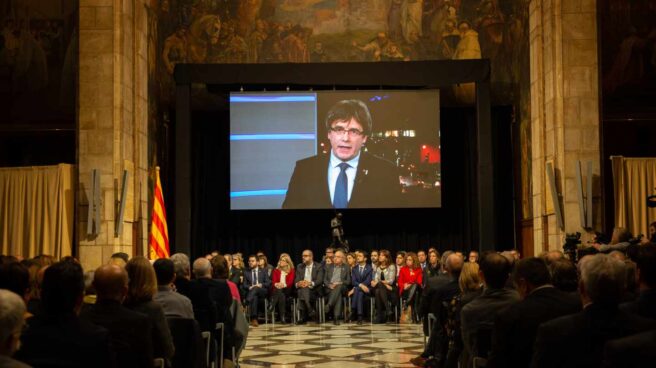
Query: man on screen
[348, 177]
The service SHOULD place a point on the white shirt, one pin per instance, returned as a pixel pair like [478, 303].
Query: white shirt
[334, 170]
[283, 278]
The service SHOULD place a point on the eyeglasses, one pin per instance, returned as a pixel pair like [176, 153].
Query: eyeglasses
[352, 132]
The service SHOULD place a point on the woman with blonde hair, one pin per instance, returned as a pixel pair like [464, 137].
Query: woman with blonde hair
[281, 286]
[142, 286]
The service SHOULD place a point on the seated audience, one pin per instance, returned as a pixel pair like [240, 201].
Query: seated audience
[12, 317]
[410, 281]
[282, 286]
[578, 340]
[515, 326]
[400, 262]
[384, 287]
[182, 270]
[432, 268]
[564, 275]
[336, 280]
[645, 304]
[256, 285]
[473, 256]
[552, 256]
[142, 286]
[308, 280]
[173, 303]
[635, 351]
[350, 260]
[57, 337]
[328, 257]
[361, 276]
[130, 332]
[263, 264]
[477, 317]
[15, 277]
[422, 257]
[220, 271]
[374, 259]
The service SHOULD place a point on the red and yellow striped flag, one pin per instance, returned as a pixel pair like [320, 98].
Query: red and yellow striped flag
[159, 232]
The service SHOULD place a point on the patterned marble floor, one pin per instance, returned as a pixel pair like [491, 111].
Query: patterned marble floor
[326, 345]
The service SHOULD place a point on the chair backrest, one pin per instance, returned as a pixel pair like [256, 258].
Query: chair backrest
[188, 342]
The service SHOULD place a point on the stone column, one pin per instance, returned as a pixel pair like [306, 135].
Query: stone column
[564, 111]
[113, 108]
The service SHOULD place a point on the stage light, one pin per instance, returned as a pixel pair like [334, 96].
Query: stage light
[423, 147]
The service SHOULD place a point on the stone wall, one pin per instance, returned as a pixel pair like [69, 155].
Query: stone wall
[113, 130]
[564, 111]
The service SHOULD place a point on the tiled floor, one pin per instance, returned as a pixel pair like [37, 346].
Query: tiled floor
[326, 346]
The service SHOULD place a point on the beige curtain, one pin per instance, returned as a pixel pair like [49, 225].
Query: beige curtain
[634, 179]
[36, 210]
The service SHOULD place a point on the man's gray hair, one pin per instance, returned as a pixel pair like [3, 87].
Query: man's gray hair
[181, 264]
[604, 279]
[202, 267]
[445, 256]
[12, 310]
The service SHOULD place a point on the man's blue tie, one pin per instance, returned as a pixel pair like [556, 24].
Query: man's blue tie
[341, 187]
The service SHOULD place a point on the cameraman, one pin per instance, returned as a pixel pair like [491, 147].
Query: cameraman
[619, 241]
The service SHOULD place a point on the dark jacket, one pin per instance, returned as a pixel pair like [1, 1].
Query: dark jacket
[130, 331]
[376, 184]
[578, 340]
[644, 306]
[363, 277]
[262, 278]
[632, 351]
[345, 276]
[161, 334]
[515, 327]
[317, 274]
[65, 341]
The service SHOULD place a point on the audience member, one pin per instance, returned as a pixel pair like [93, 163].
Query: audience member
[618, 241]
[336, 280]
[182, 270]
[173, 303]
[256, 285]
[477, 317]
[552, 256]
[57, 337]
[361, 276]
[374, 259]
[15, 277]
[635, 351]
[350, 260]
[410, 280]
[564, 275]
[309, 279]
[12, 317]
[400, 262]
[282, 283]
[473, 256]
[645, 304]
[328, 257]
[422, 257]
[130, 332]
[220, 271]
[142, 286]
[515, 326]
[384, 284]
[433, 267]
[578, 340]
[263, 264]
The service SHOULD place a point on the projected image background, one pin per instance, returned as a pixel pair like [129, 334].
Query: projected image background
[270, 132]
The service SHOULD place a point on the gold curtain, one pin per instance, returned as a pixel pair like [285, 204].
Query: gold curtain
[634, 179]
[37, 210]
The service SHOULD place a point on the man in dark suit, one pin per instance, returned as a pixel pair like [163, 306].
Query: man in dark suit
[515, 327]
[336, 280]
[361, 277]
[130, 331]
[578, 340]
[308, 280]
[477, 317]
[256, 284]
[58, 337]
[645, 304]
[348, 177]
[631, 351]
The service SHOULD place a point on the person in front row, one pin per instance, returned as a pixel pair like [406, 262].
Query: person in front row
[361, 277]
[348, 177]
[336, 279]
[384, 286]
[256, 284]
[281, 285]
[309, 278]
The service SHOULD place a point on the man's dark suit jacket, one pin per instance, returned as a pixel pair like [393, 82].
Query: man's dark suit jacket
[578, 340]
[211, 299]
[130, 332]
[65, 341]
[644, 306]
[262, 278]
[376, 184]
[363, 277]
[317, 274]
[632, 351]
[515, 326]
[344, 277]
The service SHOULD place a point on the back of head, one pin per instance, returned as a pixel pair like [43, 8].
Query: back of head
[62, 288]
[143, 281]
[121, 255]
[12, 311]
[454, 264]
[646, 264]
[110, 282]
[552, 256]
[220, 268]
[534, 270]
[564, 275]
[181, 265]
[469, 280]
[604, 279]
[164, 270]
[445, 256]
[202, 268]
[15, 277]
[495, 269]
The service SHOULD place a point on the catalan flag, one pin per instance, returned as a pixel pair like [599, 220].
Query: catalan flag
[159, 233]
